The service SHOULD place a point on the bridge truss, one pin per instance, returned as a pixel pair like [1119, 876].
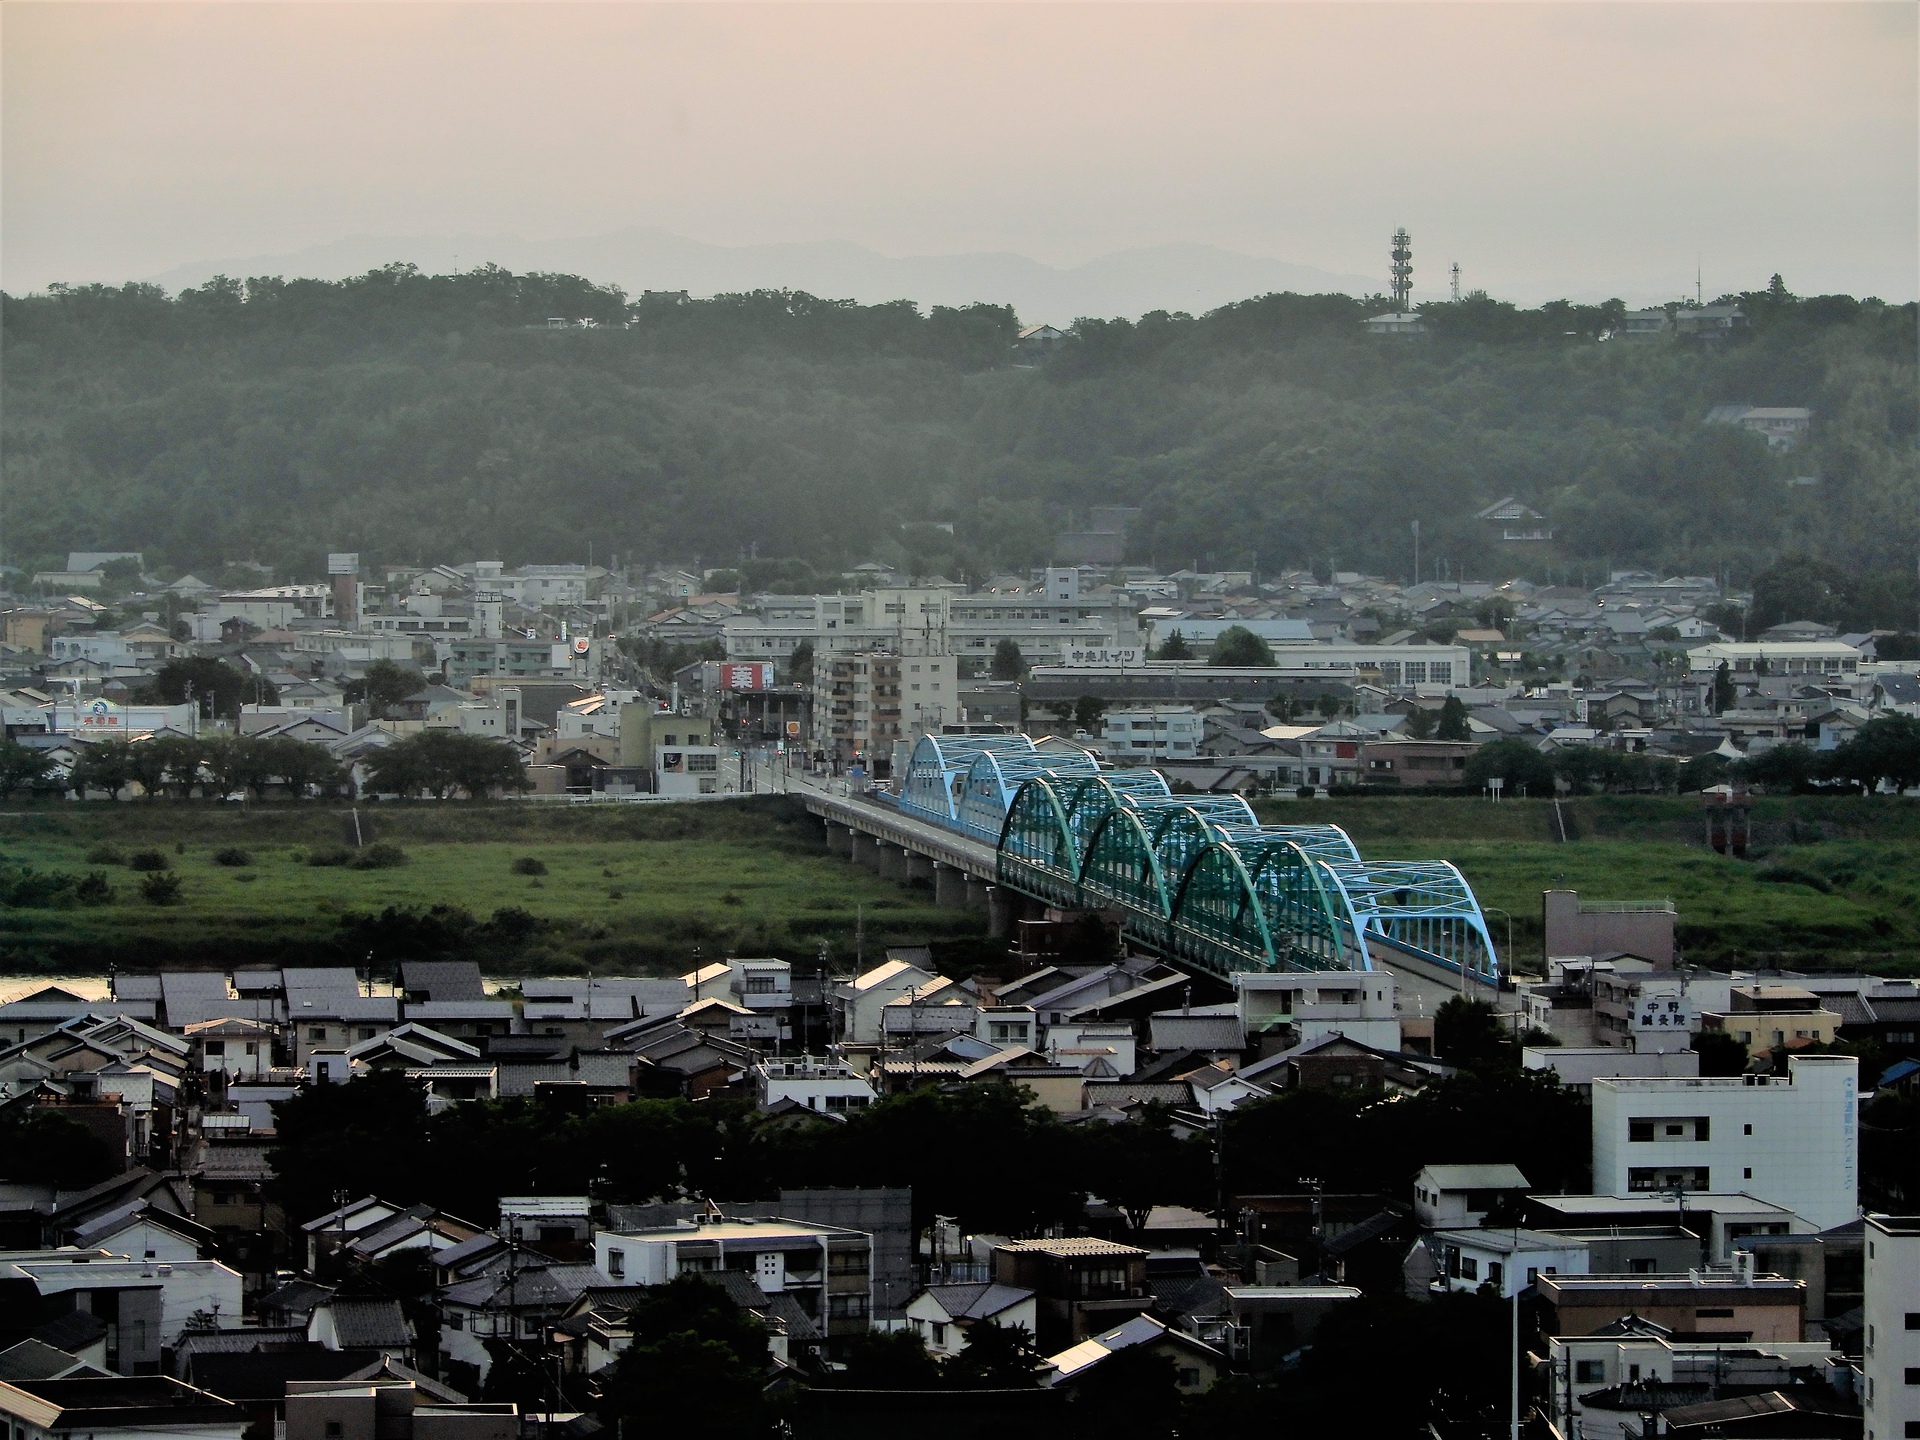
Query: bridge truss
[1194, 877]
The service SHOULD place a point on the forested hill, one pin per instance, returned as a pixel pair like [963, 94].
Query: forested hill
[438, 417]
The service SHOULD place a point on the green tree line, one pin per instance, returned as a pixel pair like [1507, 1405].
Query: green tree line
[416, 417]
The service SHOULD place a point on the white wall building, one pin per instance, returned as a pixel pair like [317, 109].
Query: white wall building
[1151, 734]
[859, 1004]
[1360, 1004]
[1892, 1362]
[1793, 1140]
[828, 1086]
[1582, 1365]
[1508, 1260]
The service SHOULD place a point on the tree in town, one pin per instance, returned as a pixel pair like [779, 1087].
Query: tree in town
[1174, 647]
[1785, 769]
[1468, 1034]
[1087, 711]
[995, 1357]
[1725, 693]
[1421, 723]
[696, 1365]
[441, 763]
[44, 1147]
[215, 686]
[800, 664]
[1133, 1394]
[1453, 720]
[1521, 769]
[22, 767]
[382, 686]
[102, 765]
[889, 1360]
[1885, 749]
[1237, 645]
[1008, 662]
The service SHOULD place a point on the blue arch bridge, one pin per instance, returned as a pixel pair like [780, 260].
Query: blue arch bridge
[1196, 879]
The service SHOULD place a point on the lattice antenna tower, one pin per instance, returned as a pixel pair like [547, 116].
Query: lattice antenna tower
[1402, 269]
[1454, 274]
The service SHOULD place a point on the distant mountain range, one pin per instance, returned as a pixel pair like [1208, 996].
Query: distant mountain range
[1194, 278]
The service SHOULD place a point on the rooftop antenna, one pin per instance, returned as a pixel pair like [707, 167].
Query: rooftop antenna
[1402, 269]
[1455, 274]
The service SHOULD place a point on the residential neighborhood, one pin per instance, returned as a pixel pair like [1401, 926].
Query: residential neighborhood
[620, 682]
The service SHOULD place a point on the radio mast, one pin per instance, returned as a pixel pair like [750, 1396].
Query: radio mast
[1455, 274]
[1402, 270]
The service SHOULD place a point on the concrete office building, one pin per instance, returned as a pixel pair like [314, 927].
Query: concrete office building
[1793, 1140]
[1891, 1364]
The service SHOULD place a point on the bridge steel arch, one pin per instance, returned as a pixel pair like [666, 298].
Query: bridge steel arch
[1195, 877]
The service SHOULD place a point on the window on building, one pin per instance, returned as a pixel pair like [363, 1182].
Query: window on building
[1642, 1265]
[703, 762]
[617, 1264]
[1188, 1377]
[216, 1047]
[939, 1333]
[760, 985]
[1589, 1372]
[317, 1032]
[1913, 1319]
[1713, 1312]
[335, 1429]
[1496, 1275]
[1469, 1268]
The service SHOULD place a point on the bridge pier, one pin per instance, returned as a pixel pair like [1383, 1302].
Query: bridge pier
[975, 897]
[839, 839]
[950, 886]
[892, 861]
[863, 849]
[919, 867]
[1002, 906]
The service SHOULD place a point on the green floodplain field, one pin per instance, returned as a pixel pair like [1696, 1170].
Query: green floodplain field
[1829, 883]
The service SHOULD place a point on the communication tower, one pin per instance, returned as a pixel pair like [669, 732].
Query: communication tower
[1402, 270]
[1455, 275]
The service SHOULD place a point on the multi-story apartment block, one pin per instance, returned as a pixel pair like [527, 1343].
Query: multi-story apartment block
[1139, 736]
[866, 703]
[827, 1270]
[934, 621]
[1891, 1364]
[1793, 1140]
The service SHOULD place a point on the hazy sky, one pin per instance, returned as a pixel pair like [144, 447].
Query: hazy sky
[1549, 148]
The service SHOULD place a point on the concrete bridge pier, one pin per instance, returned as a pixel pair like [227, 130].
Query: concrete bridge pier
[976, 893]
[894, 861]
[919, 867]
[839, 839]
[1002, 908]
[950, 886]
[863, 849]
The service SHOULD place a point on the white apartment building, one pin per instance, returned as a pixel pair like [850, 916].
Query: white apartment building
[1793, 1140]
[828, 1086]
[1892, 1361]
[1359, 1004]
[867, 704]
[1148, 734]
[933, 621]
[827, 1270]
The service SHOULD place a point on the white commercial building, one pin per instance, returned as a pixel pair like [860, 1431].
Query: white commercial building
[1892, 1360]
[1793, 1140]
